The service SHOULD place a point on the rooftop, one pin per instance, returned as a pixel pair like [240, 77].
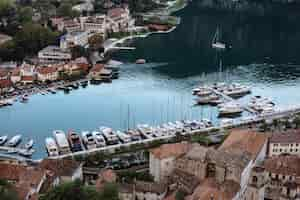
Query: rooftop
[288, 137]
[170, 150]
[283, 164]
[46, 70]
[241, 140]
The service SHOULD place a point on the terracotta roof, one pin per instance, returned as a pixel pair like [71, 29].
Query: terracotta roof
[209, 189]
[189, 181]
[283, 164]
[142, 186]
[16, 71]
[62, 167]
[115, 12]
[47, 70]
[244, 140]
[288, 137]
[27, 78]
[97, 68]
[197, 152]
[4, 72]
[5, 83]
[170, 150]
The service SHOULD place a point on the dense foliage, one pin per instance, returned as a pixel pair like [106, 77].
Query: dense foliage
[6, 191]
[77, 191]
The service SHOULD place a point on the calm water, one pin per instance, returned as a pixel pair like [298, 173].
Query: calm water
[160, 91]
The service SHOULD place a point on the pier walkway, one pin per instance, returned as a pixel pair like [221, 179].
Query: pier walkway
[228, 98]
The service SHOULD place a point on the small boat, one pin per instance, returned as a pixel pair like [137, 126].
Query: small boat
[134, 134]
[124, 138]
[109, 135]
[208, 99]
[140, 61]
[75, 141]
[24, 98]
[12, 151]
[216, 102]
[14, 141]
[29, 144]
[26, 152]
[51, 90]
[88, 140]
[216, 44]
[99, 139]
[230, 110]
[62, 142]
[3, 139]
[51, 147]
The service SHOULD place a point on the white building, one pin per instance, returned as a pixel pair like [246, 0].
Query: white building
[54, 53]
[120, 19]
[287, 143]
[84, 7]
[47, 73]
[94, 24]
[74, 39]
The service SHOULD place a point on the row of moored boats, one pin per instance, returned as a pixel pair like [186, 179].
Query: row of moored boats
[11, 144]
[64, 143]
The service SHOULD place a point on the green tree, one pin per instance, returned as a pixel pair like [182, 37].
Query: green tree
[109, 192]
[6, 6]
[180, 195]
[78, 51]
[71, 191]
[6, 191]
[65, 10]
[25, 14]
[96, 41]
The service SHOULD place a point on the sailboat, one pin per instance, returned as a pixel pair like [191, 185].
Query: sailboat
[216, 44]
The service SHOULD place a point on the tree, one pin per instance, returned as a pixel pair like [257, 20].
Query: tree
[109, 192]
[71, 191]
[25, 14]
[5, 7]
[78, 51]
[65, 10]
[180, 195]
[6, 191]
[96, 41]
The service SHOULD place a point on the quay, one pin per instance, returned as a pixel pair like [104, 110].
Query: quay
[257, 119]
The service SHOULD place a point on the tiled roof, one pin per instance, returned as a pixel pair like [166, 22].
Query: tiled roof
[4, 72]
[5, 83]
[283, 164]
[62, 167]
[115, 12]
[47, 70]
[97, 68]
[244, 140]
[209, 189]
[288, 137]
[170, 150]
[27, 78]
[16, 71]
[197, 152]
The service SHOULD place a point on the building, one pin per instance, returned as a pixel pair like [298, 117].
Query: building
[84, 7]
[5, 85]
[64, 170]
[94, 24]
[162, 159]
[119, 19]
[47, 73]
[95, 72]
[287, 143]
[4, 73]
[15, 75]
[141, 190]
[54, 53]
[72, 39]
[26, 180]
[69, 25]
[28, 79]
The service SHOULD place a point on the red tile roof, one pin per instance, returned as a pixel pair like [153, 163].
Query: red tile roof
[288, 137]
[115, 12]
[97, 68]
[4, 72]
[47, 70]
[5, 83]
[27, 78]
[16, 71]
[283, 164]
[171, 150]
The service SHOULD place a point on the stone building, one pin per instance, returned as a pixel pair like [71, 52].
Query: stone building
[162, 159]
[287, 143]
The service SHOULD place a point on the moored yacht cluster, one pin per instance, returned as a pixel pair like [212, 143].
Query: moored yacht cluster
[11, 145]
[65, 143]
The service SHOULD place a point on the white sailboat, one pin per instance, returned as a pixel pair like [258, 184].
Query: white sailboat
[216, 44]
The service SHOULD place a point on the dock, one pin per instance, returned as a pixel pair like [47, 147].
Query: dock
[230, 99]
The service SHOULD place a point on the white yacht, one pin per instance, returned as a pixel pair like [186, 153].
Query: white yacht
[14, 141]
[62, 142]
[109, 135]
[230, 109]
[226, 122]
[88, 140]
[29, 144]
[51, 147]
[124, 138]
[145, 130]
[3, 139]
[99, 139]
[134, 134]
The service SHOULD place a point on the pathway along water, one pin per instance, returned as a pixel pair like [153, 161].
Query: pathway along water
[160, 91]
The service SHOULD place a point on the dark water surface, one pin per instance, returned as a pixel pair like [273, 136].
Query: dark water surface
[264, 54]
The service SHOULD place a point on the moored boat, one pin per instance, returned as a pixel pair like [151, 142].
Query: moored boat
[62, 142]
[26, 152]
[109, 135]
[14, 141]
[51, 147]
[124, 138]
[140, 61]
[99, 139]
[29, 144]
[75, 141]
[3, 139]
[88, 140]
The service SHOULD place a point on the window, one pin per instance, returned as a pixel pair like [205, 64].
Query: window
[292, 145]
[291, 150]
[297, 144]
[254, 179]
[280, 150]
